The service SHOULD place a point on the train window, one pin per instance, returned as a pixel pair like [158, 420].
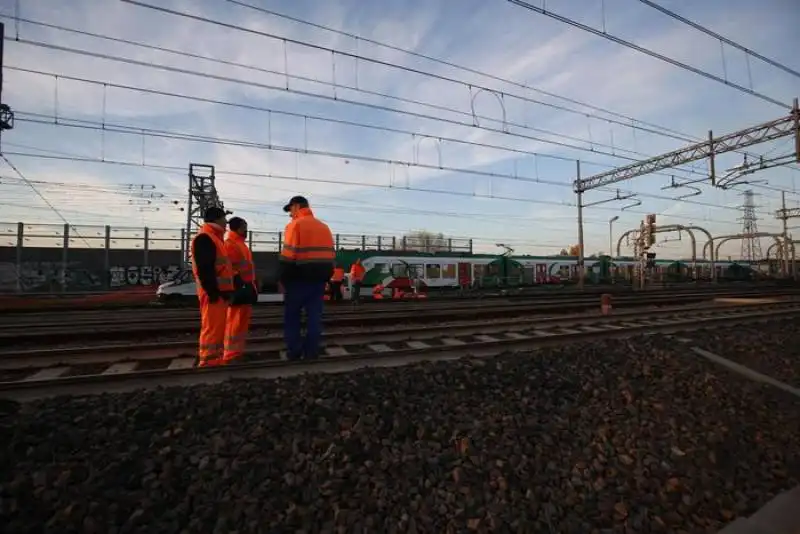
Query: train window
[416, 270]
[448, 271]
[399, 270]
[433, 270]
[383, 268]
[479, 270]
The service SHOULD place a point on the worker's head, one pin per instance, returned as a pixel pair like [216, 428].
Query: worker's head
[215, 215]
[295, 204]
[238, 225]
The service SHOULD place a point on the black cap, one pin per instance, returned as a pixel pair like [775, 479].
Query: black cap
[302, 201]
[214, 214]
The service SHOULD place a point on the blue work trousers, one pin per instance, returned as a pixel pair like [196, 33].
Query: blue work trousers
[297, 297]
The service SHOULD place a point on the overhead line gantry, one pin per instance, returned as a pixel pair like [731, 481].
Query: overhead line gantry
[768, 131]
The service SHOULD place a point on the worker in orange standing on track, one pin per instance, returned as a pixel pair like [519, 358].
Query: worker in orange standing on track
[306, 265]
[356, 277]
[246, 292]
[213, 275]
[336, 283]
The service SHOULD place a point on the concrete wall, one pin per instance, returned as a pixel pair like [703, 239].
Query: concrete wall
[46, 269]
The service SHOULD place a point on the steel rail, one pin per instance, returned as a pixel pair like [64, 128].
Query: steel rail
[512, 293]
[376, 354]
[160, 315]
[27, 358]
[112, 329]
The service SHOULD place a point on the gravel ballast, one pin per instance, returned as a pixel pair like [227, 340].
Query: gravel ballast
[635, 435]
[773, 351]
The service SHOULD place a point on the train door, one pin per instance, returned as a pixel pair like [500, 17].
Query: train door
[541, 273]
[464, 274]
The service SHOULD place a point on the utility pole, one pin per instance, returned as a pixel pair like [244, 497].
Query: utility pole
[611, 235]
[580, 227]
[6, 115]
[784, 214]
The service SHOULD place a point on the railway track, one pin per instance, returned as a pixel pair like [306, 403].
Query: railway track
[34, 374]
[157, 326]
[157, 313]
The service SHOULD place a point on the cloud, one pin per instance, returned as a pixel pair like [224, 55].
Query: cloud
[504, 41]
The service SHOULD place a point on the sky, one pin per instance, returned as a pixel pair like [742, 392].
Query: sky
[469, 123]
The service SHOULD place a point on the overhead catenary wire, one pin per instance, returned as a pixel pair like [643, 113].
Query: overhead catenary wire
[625, 122]
[614, 153]
[721, 38]
[646, 51]
[180, 170]
[138, 131]
[650, 126]
[374, 93]
[413, 70]
[38, 193]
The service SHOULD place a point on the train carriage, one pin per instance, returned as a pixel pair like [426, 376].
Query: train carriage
[448, 271]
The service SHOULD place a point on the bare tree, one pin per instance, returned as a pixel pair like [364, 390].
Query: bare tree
[424, 241]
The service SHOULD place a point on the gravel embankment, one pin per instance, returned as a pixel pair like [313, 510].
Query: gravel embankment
[617, 436]
[773, 350]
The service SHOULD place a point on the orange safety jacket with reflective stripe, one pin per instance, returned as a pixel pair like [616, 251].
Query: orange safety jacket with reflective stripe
[338, 274]
[222, 264]
[357, 272]
[308, 252]
[241, 257]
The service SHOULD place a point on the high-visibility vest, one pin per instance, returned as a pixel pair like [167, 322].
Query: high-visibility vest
[357, 272]
[222, 265]
[338, 275]
[307, 240]
[241, 257]
[377, 292]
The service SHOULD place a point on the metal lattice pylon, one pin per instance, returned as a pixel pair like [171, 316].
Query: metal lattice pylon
[202, 195]
[751, 245]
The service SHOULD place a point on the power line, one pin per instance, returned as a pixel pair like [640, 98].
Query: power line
[659, 129]
[653, 129]
[725, 40]
[39, 194]
[474, 116]
[177, 170]
[643, 50]
[358, 57]
[503, 130]
[165, 134]
[306, 117]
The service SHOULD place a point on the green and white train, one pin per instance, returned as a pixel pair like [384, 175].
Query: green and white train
[443, 271]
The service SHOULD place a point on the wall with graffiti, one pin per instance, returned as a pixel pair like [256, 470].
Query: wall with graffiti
[141, 275]
[48, 270]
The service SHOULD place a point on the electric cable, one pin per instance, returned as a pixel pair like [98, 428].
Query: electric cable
[721, 38]
[130, 130]
[643, 50]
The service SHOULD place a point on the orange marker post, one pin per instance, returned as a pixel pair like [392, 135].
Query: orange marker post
[605, 304]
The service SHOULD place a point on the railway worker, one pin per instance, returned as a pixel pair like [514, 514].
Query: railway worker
[336, 283]
[306, 265]
[246, 293]
[213, 275]
[356, 277]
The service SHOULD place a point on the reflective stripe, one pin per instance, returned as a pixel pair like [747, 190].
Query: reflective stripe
[308, 249]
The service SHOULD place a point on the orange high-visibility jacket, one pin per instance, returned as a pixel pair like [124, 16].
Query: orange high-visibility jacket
[241, 257]
[308, 251]
[338, 274]
[357, 272]
[222, 264]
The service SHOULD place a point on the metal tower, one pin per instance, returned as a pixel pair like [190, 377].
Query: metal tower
[202, 195]
[751, 245]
